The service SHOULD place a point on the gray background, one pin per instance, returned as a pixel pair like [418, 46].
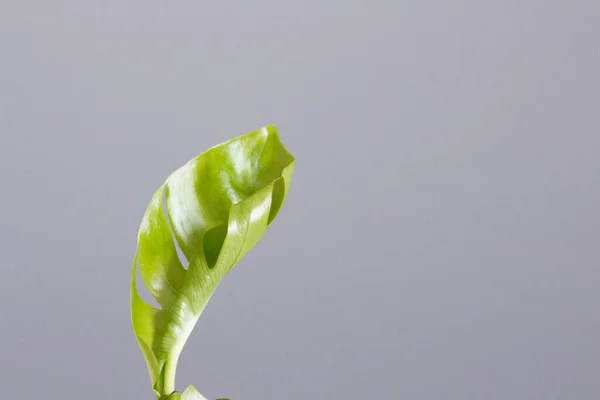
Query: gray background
[441, 237]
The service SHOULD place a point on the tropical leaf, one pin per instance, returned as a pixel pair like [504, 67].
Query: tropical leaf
[215, 209]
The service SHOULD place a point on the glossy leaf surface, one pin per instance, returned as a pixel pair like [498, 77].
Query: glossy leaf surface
[215, 209]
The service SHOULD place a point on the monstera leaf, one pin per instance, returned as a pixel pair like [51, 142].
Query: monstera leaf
[214, 209]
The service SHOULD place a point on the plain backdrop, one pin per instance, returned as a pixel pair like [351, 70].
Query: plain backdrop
[441, 238]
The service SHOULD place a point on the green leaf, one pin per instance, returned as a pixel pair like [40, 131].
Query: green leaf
[192, 394]
[189, 394]
[215, 208]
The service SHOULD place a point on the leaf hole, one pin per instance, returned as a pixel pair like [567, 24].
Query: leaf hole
[213, 243]
[276, 199]
[142, 290]
[182, 258]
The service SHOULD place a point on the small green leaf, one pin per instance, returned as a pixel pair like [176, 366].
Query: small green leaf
[218, 206]
[189, 394]
[192, 394]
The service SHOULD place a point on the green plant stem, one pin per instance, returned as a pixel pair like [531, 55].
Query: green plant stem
[170, 370]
